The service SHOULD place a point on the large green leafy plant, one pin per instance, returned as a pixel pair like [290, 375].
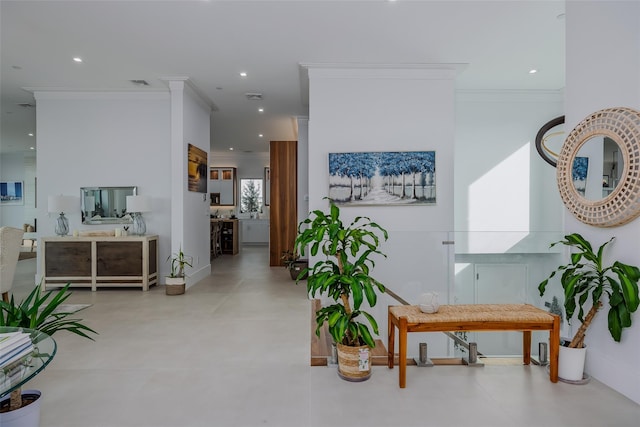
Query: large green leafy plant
[39, 311]
[586, 276]
[344, 273]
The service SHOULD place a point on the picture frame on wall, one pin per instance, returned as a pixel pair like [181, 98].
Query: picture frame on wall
[383, 178]
[197, 170]
[12, 193]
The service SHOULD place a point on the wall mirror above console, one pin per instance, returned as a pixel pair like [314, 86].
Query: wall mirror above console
[598, 169]
[106, 205]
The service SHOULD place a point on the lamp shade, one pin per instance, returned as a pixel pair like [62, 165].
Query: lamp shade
[60, 204]
[138, 204]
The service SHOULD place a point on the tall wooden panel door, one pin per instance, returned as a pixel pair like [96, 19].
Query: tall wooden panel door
[284, 202]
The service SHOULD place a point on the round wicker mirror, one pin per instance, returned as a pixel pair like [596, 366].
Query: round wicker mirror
[622, 205]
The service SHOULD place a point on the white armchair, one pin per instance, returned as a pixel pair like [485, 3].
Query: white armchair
[10, 244]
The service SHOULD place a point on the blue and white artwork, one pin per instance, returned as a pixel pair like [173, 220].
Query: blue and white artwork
[383, 178]
[579, 174]
[11, 193]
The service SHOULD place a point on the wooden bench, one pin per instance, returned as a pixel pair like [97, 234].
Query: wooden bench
[473, 317]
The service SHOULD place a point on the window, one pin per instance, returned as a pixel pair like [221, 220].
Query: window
[251, 195]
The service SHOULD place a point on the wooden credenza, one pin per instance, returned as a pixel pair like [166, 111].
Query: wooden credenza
[99, 261]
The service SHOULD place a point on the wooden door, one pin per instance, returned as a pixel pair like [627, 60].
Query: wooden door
[284, 201]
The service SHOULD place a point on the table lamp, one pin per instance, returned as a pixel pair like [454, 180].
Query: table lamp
[61, 204]
[135, 206]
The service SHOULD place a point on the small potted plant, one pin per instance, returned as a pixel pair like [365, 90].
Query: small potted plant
[41, 313]
[297, 266]
[585, 279]
[175, 282]
[344, 276]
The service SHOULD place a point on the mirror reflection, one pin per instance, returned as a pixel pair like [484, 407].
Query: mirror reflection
[105, 205]
[597, 168]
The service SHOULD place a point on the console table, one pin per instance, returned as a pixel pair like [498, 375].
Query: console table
[99, 261]
[474, 317]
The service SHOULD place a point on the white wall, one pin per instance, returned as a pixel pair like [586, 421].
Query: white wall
[609, 79]
[359, 110]
[193, 235]
[88, 139]
[501, 183]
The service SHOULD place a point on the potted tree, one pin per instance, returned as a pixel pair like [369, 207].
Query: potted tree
[585, 279]
[38, 312]
[296, 265]
[175, 282]
[344, 276]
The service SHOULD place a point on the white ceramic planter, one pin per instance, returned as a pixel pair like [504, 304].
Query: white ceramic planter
[571, 363]
[27, 416]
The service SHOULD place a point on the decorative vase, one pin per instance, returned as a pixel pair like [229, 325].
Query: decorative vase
[571, 363]
[354, 363]
[27, 416]
[429, 302]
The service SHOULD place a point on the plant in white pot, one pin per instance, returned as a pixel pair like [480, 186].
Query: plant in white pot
[585, 280]
[344, 276]
[41, 313]
[175, 282]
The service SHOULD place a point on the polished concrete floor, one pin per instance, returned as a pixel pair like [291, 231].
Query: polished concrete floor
[234, 351]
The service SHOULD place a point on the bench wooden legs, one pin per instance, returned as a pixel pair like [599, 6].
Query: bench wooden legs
[526, 347]
[391, 331]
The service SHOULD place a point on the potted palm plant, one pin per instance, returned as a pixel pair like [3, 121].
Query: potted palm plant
[344, 275]
[585, 279]
[41, 313]
[175, 282]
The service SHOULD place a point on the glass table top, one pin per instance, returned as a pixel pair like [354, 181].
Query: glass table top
[18, 372]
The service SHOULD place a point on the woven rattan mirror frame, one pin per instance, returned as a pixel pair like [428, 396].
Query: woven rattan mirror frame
[623, 204]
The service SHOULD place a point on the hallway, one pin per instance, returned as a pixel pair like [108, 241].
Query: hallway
[234, 351]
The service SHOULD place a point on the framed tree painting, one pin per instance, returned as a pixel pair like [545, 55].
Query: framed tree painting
[383, 178]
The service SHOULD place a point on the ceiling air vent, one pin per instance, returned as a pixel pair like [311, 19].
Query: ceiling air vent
[253, 96]
[25, 105]
[140, 82]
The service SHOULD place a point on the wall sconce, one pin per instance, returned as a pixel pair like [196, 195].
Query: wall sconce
[136, 205]
[61, 204]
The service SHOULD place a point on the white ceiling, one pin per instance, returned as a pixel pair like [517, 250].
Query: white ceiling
[211, 42]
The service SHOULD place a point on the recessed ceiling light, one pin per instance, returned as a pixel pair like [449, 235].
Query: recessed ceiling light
[243, 74]
[30, 134]
[533, 71]
[32, 148]
[260, 110]
[260, 135]
[230, 148]
[77, 59]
